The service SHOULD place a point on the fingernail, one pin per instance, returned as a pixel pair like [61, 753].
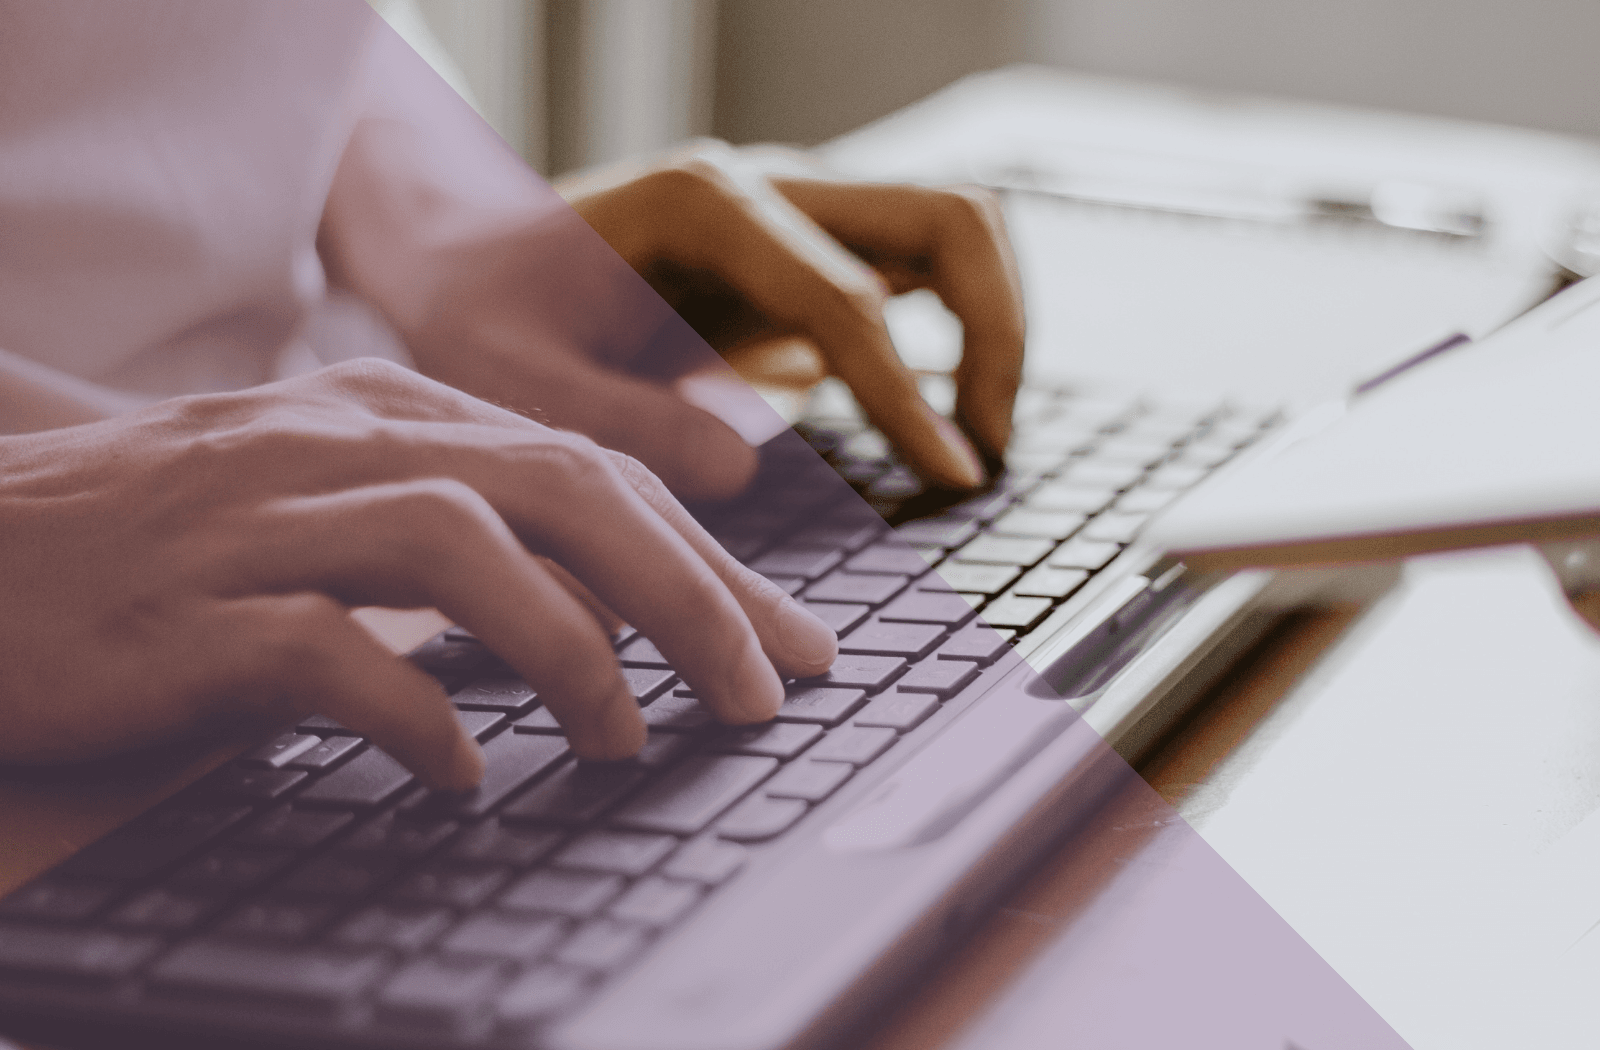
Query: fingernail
[964, 468]
[808, 640]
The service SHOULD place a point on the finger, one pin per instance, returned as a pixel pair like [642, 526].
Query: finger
[739, 228]
[437, 542]
[609, 621]
[692, 450]
[689, 448]
[796, 641]
[637, 564]
[305, 649]
[957, 239]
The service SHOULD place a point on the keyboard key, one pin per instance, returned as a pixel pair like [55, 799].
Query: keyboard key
[452, 884]
[978, 643]
[1070, 497]
[574, 894]
[1175, 477]
[1050, 525]
[911, 641]
[865, 672]
[808, 562]
[617, 852]
[343, 876]
[322, 725]
[1103, 475]
[1016, 612]
[693, 794]
[515, 937]
[647, 683]
[940, 607]
[1134, 447]
[478, 724]
[163, 909]
[841, 536]
[369, 779]
[642, 652]
[1083, 554]
[327, 754]
[294, 829]
[232, 868]
[400, 927]
[897, 711]
[970, 579]
[495, 843]
[139, 849]
[603, 944]
[940, 532]
[855, 744]
[280, 751]
[791, 585]
[400, 838]
[857, 588]
[246, 782]
[59, 900]
[513, 759]
[676, 714]
[1003, 550]
[823, 705]
[1114, 527]
[890, 558]
[307, 977]
[443, 657]
[70, 954]
[509, 695]
[1206, 457]
[1144, 500]
[759, 818]
[538, 994]
[656, 902]
[1045, 582]
[940, 678]
[983, 507]
[780, 740]
[539, 720]
[438, 994]
[839, 616]
[278, 920]
[575, 793]
[807, 780]
[705, 861]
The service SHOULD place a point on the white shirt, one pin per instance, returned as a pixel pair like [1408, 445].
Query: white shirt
[163, 168]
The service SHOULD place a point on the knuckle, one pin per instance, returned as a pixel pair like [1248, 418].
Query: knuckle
[643, 480]
[439, 510]
[696, 175]
[969, 207]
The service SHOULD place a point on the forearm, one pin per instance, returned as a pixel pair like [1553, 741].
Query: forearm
[421, 175]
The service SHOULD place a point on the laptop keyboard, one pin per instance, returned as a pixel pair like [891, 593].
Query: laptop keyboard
[314, 872]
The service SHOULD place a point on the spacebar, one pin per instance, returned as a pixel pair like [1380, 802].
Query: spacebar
[308, 977]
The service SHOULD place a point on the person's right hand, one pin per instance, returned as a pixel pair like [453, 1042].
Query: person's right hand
[196, 559]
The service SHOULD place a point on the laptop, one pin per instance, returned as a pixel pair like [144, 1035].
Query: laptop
[1003, 656]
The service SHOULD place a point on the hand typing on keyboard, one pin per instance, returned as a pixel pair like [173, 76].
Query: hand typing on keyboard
[528, 308]
[207, 548]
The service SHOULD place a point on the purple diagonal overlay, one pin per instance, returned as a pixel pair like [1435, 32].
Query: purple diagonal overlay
[211, 195]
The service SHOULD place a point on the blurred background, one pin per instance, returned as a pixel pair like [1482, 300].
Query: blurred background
[576, 82]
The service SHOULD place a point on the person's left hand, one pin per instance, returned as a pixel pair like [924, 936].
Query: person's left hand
[535, 313]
